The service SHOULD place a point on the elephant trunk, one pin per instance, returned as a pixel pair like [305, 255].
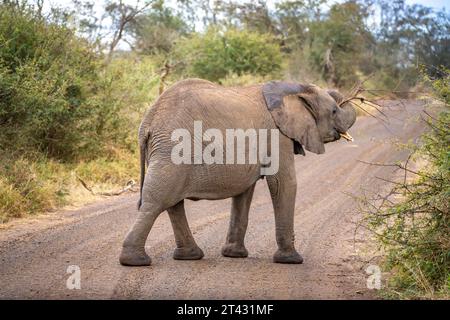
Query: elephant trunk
[346, 118]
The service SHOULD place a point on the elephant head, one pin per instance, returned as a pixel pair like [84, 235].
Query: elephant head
[308, 114]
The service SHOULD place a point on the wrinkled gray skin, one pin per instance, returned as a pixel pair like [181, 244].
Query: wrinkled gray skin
[309, 118]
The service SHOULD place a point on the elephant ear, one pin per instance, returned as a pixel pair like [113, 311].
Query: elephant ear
[337, 96]
[291, 107]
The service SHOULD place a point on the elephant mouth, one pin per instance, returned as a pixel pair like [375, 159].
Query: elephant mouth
[347, 136]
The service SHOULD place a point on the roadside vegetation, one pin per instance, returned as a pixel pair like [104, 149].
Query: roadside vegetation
[75, 82]
[411, 220]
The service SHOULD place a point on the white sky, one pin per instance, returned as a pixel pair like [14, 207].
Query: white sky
[431, 3]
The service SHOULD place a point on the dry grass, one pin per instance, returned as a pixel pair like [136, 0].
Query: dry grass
[31, 187]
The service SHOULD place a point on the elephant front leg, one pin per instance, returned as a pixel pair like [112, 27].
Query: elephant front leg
[186, 249]
[234, 246]
[283, 192]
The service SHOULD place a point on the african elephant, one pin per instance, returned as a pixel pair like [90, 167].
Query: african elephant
[306, 117]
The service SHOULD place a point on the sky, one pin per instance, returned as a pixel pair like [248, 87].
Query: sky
[438, 4]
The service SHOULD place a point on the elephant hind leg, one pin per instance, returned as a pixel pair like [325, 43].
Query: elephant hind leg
[133, 250]
[186, 249]
[159, 193]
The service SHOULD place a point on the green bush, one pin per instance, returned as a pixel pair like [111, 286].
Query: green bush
[215, 54]
[125, 88]
[57, 96]
[63, 112]
[233, 80]
[46, 77]
[415, 230]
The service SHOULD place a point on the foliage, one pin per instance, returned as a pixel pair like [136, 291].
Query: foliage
[234, 80]
[57, 97]
[62, 109]
[337, 43]
[126, 87]
[294, 19]
[156, 31]
[217, 53]
[411, 34]
[250, 15]
[45, 71]
[412, 221]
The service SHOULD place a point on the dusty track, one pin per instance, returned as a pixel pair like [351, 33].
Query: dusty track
[35, 253]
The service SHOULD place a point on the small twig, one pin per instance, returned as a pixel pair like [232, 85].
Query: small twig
[393, 91]
[85, 185]
[389, 165]
[406, 166]
[129, 187]
[382, 121]
[376, 106]
[420, 174]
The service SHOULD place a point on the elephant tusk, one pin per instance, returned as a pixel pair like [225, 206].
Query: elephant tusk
[347, 136]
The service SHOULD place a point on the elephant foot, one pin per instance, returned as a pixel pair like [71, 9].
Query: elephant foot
[287, 257]
[194, 253]
[232, 250]
[132, 257]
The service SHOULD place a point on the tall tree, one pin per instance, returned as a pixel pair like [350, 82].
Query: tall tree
[108, 27]
[294, 19]
[157, 29]
[121, 16]
[338, 42]
[410, 35]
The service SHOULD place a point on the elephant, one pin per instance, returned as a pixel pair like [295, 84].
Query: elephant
[306, 117]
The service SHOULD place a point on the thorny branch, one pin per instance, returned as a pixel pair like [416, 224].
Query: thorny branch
[400, 166]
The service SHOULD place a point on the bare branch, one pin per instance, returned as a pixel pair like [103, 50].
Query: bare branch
[129, 187]
[420, 174]
[126, 16]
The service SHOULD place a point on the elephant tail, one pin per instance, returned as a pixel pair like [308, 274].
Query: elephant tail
[142, 150]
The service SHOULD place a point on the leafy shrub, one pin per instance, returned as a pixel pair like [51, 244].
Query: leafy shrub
[216, 53]
[46, 77]
[415, 231]
[125, 88]
[58, 98]
[233, 79]
[63, 113]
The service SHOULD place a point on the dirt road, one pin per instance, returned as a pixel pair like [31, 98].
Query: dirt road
[35, 253]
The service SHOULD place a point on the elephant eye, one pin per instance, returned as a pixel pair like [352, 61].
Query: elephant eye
[334, 110]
